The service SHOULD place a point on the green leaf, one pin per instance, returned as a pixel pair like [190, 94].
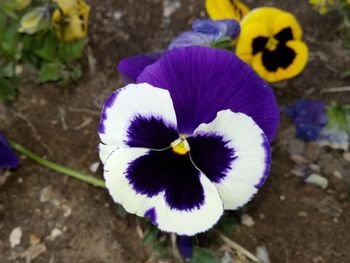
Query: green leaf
[50, 72]
[72, 51]
[202, 255]
[7, 91]
[223, 43]
[121, 211]
[2, 21]
[10, 39]
[46, 50]
[150, 236]
[227, 225]
[76, 73]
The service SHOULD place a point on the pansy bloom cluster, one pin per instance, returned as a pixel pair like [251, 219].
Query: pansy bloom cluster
[271, 42]
[188, 139]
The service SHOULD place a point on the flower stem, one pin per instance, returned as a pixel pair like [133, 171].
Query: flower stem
[57, 167]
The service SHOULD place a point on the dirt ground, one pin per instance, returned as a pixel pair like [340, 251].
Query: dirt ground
[297, 222]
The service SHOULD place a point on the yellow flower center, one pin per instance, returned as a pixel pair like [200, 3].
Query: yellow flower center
[180, 146]
[272, 43]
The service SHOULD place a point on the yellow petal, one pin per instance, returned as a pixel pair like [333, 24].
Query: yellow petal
[285, 20]
[67, 6]
[226, 9]
[244, 47]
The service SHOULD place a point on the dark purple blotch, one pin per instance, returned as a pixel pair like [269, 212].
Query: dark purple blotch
[167, 171]
[150, 132]
[212, 155]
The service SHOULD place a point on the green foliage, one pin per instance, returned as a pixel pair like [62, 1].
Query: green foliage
[34, 42]
[227, 225]
[202, 255]
[337, 116]
[151, 236]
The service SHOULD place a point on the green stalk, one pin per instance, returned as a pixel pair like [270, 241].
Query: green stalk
[57, 167]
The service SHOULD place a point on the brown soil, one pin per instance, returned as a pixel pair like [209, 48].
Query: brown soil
[297, 223]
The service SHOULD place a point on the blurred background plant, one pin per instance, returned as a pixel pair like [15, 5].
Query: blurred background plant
[340, 6]
[48, 35]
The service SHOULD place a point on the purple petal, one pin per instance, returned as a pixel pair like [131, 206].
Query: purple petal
[310, 117]
[203, 81]
[130, 68]
[185, 246]
[218, 28]
[8, 158]
[190, 38]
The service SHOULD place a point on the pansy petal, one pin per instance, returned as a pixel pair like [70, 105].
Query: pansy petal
[138, 115]
[247, 171]
[226, 9]
[8, 158]
[203, 81]
[119, 188]
[194, 221]
[218, 28]
[155, 206]
[190, 38]
[130, 68]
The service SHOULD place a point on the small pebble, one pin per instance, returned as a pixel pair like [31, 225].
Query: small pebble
[317, 180]
[262, 216]
[247, 220]
[298, 159]
[262, 254]
[55, 233]
[46, 194]
[346, 156]
[282, 198]
[338, 174]
[314, 167]
[94, 167]
[117, 15]
[302, 214]
[15, 237]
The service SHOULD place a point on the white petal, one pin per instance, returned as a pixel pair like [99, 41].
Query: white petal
[118, 185]
[194, 221]
[181, 222]
[252, 152]
[105, 151]
[128, 102]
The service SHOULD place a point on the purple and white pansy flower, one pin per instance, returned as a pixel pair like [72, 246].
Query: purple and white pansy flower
[189, 139]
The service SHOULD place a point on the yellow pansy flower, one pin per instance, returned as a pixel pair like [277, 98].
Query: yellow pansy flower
[322, 6]
[71, 19]
[226, 9]
[271, 42]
